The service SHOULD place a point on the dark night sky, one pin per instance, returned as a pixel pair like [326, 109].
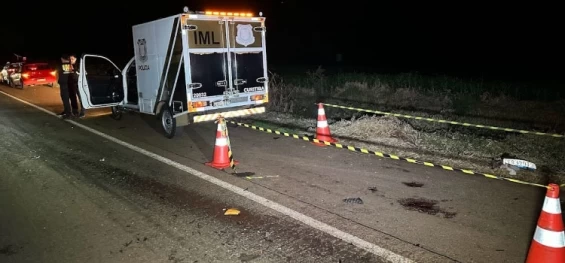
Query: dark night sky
[474, 38]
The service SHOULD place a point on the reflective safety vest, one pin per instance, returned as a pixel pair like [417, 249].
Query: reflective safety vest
[66, 68]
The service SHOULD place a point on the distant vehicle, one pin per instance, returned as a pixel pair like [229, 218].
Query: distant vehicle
[4, 73]
[30, 74]
[193, 67]
[8, 70]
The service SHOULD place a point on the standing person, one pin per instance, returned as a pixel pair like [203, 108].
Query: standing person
[63, 71]
[73, 88]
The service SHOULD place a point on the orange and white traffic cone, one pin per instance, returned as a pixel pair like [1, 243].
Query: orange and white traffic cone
[548, 244]
[221, 150]
[322, 127]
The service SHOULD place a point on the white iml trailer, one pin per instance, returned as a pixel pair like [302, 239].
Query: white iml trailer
[189, 67]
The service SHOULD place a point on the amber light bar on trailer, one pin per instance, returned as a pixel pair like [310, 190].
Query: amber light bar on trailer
[227, 14]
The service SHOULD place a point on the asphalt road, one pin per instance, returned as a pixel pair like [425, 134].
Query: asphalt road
[69, 195]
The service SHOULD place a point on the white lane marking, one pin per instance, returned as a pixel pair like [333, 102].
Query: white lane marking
[349, 238]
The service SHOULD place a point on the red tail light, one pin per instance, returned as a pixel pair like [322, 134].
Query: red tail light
[25, 75]
[53, 73]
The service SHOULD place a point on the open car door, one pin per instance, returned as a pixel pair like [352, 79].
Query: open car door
[100, 82]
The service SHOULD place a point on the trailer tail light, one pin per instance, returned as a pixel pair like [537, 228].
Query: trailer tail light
[196, 105]
[53, 73]
[25, 75]
[260, 98]
[256, 97]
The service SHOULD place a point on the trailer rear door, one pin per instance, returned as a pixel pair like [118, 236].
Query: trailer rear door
[247, 55]
[208, 58]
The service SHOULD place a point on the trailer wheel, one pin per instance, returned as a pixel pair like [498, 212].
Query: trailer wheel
[168, 122]
[116, 113]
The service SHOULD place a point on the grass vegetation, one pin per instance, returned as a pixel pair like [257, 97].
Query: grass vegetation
[513, 105]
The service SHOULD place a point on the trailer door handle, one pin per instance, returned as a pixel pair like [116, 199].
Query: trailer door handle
[221, 83]
[195, 85]
[240, 82]
[261, 80]
[190, 27]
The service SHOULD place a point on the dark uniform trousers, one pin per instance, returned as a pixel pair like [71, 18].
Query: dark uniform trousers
[64, 87]
[73, 90]
[63, 71]
[74, 96]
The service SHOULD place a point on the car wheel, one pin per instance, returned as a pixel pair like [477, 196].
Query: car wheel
[168, 122]
[116, 113]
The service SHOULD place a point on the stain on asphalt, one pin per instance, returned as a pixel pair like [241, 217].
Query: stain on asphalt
[427, 206]
[243, 174]
[109, 175]
[372, 189]
[276, 138]
[396, 168]
[413, 184]
[173, 257]
[247, 257]
[8, 250]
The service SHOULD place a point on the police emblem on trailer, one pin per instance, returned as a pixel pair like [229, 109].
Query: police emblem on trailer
[245, 35]
[142, 49]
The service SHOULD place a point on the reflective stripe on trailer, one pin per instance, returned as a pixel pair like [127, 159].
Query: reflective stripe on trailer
[228, 114]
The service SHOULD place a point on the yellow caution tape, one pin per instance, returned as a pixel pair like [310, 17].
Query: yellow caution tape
[385, 155]
[446, 121]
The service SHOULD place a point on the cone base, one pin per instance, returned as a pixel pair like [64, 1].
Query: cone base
[220, 166]
[539, 253]
[325, 139]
